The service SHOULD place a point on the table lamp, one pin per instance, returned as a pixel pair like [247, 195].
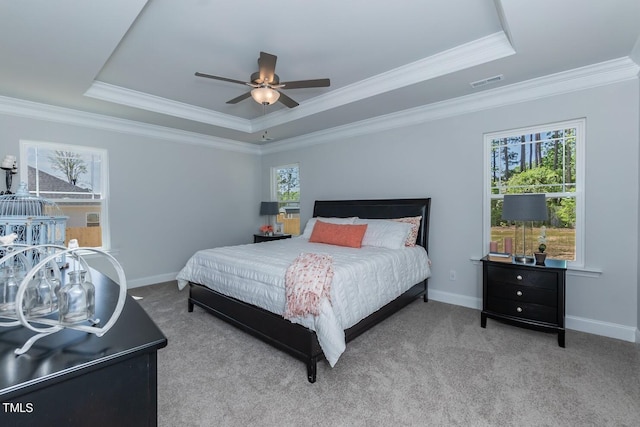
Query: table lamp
[524, 209]
[269, 209]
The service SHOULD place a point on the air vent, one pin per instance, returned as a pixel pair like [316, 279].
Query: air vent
[490, 80]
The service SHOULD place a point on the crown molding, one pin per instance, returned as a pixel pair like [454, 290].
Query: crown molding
[477, 52]
[591, 76]
[605, 73]
[38, 111]
[132, 98]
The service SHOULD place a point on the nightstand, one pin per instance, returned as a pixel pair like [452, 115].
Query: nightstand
[526, 295]
[258, 238]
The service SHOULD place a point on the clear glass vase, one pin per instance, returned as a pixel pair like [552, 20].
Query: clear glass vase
[40, 295]
[8, 291]
[76, 299]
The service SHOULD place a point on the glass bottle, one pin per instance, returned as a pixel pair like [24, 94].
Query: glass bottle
[20, 268]
[73, 299]
[40, 296]
[8, 291]
[51, 276]
[90, 289]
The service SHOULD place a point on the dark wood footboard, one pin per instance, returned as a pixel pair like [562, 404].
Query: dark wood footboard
[295, 339]
[292, 338]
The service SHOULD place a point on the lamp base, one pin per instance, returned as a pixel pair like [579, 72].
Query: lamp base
[523, 259]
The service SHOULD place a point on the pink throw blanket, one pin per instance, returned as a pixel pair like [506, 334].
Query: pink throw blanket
[307, 281]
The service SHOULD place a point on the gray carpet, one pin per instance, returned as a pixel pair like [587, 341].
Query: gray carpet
[429, 365]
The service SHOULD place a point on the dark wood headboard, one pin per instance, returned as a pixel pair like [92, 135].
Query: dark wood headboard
[379, 209]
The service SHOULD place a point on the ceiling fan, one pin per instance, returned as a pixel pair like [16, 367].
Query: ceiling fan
[265, 83]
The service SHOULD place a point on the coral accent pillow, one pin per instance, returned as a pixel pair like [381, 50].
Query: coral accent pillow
[308, 229]
[415, 225]
[349, 235]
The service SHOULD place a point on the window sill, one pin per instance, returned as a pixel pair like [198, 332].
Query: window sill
[583, 271]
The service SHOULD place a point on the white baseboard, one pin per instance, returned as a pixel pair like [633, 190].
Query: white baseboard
[151, 280]
[455, 299]
[606, 329]
[596, 327]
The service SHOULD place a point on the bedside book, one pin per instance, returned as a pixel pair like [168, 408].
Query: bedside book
[499, 256]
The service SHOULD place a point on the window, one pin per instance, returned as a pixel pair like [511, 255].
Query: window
[543, 159]
[286, 190]
[75, 178]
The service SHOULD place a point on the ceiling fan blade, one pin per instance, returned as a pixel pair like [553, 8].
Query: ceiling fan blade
[306, 83]
[224, 79]
[239, 98]
[267, 67]
[287, 101]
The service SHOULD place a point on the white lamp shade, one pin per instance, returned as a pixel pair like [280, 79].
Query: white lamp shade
[265, 95]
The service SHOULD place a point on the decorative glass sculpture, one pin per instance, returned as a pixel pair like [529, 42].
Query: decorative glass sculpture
[8, 291]
[76, 299]
[29, 302]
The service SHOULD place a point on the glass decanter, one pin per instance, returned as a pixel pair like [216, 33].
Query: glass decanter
[8, 291]
[76, 300]
[40, 295]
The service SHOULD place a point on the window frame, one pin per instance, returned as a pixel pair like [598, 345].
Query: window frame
[25, 145]
[274, 184]
[580, 137]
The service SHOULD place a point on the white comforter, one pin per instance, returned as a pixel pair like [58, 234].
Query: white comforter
[365, 279]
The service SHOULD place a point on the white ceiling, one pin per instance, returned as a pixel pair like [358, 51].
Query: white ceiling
[136, 59]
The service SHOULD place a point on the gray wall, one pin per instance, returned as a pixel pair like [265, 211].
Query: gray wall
[417, 161]
[167, 199]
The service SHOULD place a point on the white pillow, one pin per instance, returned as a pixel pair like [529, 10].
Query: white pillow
[308, 229]
[384, 233]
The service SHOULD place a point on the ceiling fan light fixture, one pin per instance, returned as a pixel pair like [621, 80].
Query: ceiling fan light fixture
[266, 82]
[265, 95]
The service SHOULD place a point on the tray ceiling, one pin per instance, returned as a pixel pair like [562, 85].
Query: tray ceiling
[136, 59]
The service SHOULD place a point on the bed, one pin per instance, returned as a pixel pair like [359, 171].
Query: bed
[303, 339]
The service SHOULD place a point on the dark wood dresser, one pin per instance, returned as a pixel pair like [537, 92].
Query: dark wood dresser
[72, 378]
[526, 295]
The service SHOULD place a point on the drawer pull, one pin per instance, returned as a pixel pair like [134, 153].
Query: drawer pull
[519, 309]
[519, 293]
[519, 277]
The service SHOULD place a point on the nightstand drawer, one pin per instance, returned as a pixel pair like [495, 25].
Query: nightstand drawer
[523, 294]
[537, 312]
[523, 277]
